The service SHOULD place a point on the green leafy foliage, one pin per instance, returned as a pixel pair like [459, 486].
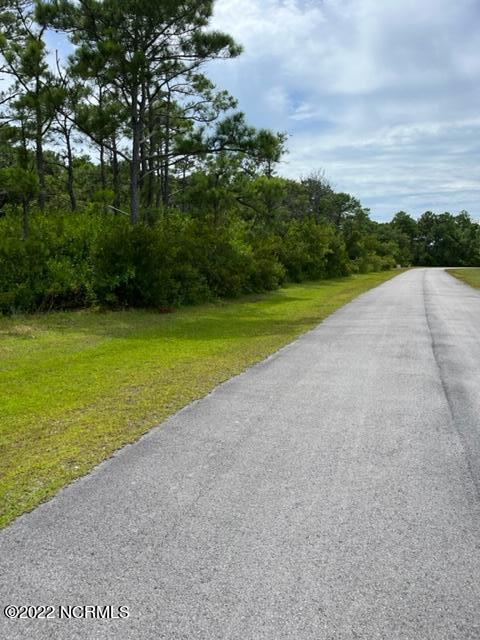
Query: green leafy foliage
[52, 268]
[18, 185]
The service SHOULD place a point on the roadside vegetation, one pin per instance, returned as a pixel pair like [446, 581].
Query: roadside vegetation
[75, 386]
[469, 276]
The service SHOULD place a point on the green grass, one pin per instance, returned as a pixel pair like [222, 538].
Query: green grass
[76, 386]
[470, 276]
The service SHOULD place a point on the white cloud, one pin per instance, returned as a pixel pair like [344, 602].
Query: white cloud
[382, 95]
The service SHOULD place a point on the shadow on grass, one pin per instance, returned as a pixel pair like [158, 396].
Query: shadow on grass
[250, 316]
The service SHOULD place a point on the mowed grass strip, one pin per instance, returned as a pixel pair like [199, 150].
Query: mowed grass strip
[76, 386]
[468, 275]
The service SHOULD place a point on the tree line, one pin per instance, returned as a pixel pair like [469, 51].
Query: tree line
[128, 178]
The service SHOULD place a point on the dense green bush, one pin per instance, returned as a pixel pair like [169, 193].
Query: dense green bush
[311, 250]
[146, 266]
[96, 257]
[179, 260]
[52, 268]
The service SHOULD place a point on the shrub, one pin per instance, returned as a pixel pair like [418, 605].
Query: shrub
[77, 259]
[144, 266]
[179, 260]
[311, 250]
[52, 268]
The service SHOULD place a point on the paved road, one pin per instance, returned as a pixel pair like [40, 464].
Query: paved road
[331, 492]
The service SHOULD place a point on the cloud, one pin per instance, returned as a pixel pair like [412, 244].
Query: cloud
[382, 95]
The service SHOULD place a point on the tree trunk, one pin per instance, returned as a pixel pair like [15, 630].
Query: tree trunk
[25, 225]
[116, 174]
[103, 179]
[134, 175]
[150, 183]
[159, 178]
[166, 159]
[70, 174]
[143, 148]
[135, 170]
[150, 160]
[138, 119]
[143, 167]
[143, 164]
[40, 161]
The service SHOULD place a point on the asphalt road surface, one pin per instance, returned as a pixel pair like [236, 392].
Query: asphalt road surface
[330, 492]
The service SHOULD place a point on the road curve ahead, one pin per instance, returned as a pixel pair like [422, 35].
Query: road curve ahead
[330, 492]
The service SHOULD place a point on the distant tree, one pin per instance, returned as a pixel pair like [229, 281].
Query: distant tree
[141, 47]
[72, 93]
[318, 191]
[447, 240]
[406, 224]
[103, 119]
[405, 232]
[18, 187]
[34, 95]
[237, 166]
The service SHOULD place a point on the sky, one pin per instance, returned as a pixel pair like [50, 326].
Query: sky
[383, 96]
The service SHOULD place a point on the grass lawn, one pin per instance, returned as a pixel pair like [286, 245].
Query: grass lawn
[469, 276]
[76, 386]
